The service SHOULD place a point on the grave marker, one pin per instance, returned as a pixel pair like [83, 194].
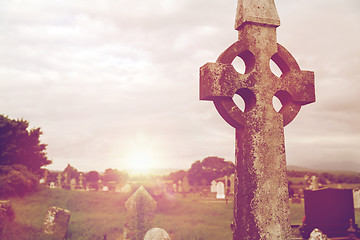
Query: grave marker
[139, 216]
[81, 181]
[56, 222]
[185, 185]
[73, 184]
[261, 208]
[213, 186]
[7, 214]
[156, 234]
[220, 190]
[356, 193]
[59, 180]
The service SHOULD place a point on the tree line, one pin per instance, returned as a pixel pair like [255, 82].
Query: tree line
[21, 157]
[203, 172]
[328, 177]
[92, 178]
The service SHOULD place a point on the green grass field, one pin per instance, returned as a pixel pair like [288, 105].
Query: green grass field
[94, 214]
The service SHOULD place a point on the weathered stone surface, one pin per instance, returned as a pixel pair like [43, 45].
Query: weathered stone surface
[256, 11]
[139, 216]
[7, 214]
[56, 222]
[316, 234]
[156, 234]
[220, 190]
[261, 194]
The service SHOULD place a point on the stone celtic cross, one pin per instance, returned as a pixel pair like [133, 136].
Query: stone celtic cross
[261, 205]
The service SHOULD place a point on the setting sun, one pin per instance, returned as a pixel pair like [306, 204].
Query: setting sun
[141, 162]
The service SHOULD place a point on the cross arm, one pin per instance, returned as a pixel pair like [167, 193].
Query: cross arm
[300, 85]
[217, 81]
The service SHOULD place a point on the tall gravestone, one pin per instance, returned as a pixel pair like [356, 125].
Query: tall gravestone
[213, 186]
[220, 190]
[139, 215]
[59, 180]
[261, 208]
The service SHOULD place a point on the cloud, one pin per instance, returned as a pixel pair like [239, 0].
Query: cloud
[96, 75]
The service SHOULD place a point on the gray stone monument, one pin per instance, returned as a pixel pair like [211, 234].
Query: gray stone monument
[156, 234]
[7, 214]
[220, 190]
[56, 223]
[185, 185]
[261, 199]
[139, 215]
[316, 234]
[59, 180]
[81, 181]
[213, 186]
[356, 195]
[73, 184]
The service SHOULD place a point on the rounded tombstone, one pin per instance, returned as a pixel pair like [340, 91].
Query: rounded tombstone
[156, 234]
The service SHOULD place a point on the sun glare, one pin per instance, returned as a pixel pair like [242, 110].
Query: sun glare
[140, 162]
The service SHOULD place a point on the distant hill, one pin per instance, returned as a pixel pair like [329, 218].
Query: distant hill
[337, 166]
[298, 168]
[331, 166]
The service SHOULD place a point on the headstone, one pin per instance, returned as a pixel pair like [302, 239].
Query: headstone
[139, 215]
[66, 181]
[7, 214]
[180, 186]
[56, 222]
[356, 193]
[220, 190]
[52, 185]
[213, 188]
[156, 234]
[261, 204]
[185, 185]
[329, 209]
[59, 180]
[73, 184]
[314, 183]
[81, 181]
[316, 234]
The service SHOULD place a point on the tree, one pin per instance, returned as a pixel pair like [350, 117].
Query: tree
[16, 180]
[208, 169]
[18, 145]
[114, 175]
[92, 176]
[176, 176]
[195, 173]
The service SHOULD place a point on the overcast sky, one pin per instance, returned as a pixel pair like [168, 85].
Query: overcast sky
[112, 81]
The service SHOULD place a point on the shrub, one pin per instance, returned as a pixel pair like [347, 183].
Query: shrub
[16, 180]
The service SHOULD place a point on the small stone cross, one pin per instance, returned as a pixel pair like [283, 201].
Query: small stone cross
[261, 204]
[59, 179]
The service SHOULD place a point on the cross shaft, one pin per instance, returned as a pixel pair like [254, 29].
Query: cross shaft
[261, 208]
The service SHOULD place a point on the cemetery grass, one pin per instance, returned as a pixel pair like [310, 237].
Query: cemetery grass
[94, 214]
